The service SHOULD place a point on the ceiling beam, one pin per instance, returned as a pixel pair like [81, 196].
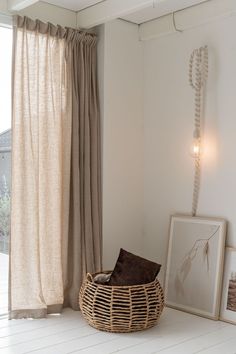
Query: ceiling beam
[17, 5]
[108, 10]
[194, 16]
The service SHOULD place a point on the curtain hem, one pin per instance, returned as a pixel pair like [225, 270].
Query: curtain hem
[35, 313]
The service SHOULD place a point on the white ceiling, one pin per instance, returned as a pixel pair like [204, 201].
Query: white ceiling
[75, 5]
[159, 8]
[162, 8]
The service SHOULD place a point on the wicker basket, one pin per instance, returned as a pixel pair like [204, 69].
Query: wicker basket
[121, 308]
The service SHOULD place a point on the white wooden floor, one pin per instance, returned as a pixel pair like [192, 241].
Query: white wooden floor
[177, 332]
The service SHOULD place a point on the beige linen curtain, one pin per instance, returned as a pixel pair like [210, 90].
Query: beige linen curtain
[55, 214]
[84, 247]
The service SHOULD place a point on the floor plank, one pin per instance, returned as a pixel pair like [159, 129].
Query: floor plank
[177, 333]
[172, 335]
[59, 328]
[226, 347]
[203, 342]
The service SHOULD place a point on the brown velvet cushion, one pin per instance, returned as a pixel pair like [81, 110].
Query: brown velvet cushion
[132, 270]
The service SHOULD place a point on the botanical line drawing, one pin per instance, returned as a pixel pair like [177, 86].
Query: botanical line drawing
[186, 264]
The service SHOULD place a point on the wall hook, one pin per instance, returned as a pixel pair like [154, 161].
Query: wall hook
[174, 23]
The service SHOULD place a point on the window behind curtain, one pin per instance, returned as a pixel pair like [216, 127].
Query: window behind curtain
[5, 160]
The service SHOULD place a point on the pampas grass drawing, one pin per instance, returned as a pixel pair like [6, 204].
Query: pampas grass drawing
[186, 265]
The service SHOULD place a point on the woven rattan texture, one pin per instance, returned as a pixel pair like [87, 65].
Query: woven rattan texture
[121, 308]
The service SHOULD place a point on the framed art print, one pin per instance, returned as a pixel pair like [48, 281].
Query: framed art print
[195, 265]
[228, 301]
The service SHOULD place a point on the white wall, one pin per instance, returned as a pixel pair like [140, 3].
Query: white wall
[147, 115]
[168, 126]
[121, 100]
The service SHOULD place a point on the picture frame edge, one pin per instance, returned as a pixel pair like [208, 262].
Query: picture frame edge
[223, 223]
[214, 318]
[227, 321]
[221, 275]
[221, 318]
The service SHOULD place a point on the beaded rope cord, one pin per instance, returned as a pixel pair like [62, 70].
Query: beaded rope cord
[198, 71]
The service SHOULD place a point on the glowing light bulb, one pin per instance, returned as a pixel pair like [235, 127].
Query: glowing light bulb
[195, 149]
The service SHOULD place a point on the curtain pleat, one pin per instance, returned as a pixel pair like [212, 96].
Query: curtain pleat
[56, 185]
[84, 252]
